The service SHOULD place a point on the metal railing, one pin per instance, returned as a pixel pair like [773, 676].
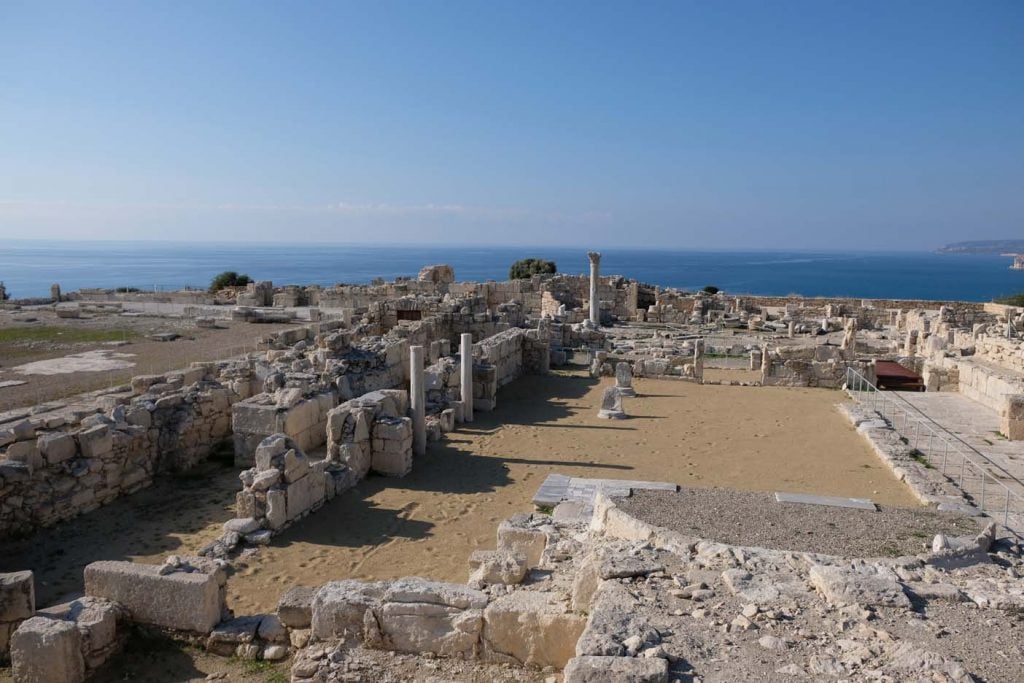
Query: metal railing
[984, 482]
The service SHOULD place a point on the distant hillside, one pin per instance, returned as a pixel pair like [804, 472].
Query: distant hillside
[984, 247]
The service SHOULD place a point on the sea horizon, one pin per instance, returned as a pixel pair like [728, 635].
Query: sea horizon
[29, 267]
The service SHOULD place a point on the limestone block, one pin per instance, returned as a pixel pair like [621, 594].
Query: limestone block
[296, 465]
[265, 480]
[490, 567]
[6, 437]
[418, 615]
[339, 608]
[245, 504]
[17, 596]
[414, 589]
[277, 509]
[397, 429]
[525, 541]
[25, 452]
[96, 620]
[56, 448]
[865, 585]
[424, 627]
[531, 628]
[303, 495]
[270, 449]
[295, 607]
[95, 442]
[227, 636]
[23, 431]
[336, 423]
[45, 650]
[186, 601]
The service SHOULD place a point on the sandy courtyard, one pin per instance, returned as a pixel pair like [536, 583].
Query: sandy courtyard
[428, 522]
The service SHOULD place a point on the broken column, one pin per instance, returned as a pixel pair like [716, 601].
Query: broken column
[698, 359]
[766, 364]
[624, 379]
[611, 405]
[595, 303]
[417, 400]
[910, 344]
[17, 603]
[466, 372]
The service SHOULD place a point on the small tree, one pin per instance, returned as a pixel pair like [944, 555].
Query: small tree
[526, 268]
[711, 289]
[229, 278]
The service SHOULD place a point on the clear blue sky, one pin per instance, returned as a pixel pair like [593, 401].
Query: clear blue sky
[685, 124]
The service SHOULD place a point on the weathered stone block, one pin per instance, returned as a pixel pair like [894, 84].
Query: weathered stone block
[426, 627]
[418, 615]
[531, 628]
[489, 567]
[277, 508]
[339, 609]
[295, 607]
[56, 448]
[45, 650]
[186, 601]
[228, 635]
[303, 495]
[528, 542]
[17, 596]
[96, 620]
[95, 442]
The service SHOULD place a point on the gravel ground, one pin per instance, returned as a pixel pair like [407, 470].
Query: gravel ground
[756, 519]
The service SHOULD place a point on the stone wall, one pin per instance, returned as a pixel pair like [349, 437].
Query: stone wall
[817, 366]
[55, 465]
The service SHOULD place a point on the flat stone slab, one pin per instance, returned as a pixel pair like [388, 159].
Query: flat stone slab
[833, 501]
[558, 488]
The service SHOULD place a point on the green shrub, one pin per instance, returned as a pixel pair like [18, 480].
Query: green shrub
[528, 267]
[229, 278]
[711, 289]
[1011, 300]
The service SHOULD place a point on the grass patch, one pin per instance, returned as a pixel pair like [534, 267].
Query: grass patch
[255, 666]
[12, 335]
[921, 460]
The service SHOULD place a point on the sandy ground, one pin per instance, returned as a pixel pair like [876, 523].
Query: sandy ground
[427, 523]
[139, 356]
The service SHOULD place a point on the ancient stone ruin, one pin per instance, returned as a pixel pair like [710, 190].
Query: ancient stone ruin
[368, 378]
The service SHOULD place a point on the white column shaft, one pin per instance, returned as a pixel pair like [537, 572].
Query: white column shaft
[417, 401]
[466, 378]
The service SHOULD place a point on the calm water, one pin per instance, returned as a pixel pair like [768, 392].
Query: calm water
[28, 268]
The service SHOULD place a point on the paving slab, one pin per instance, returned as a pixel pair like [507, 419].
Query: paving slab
[558, 488]
[833, 501]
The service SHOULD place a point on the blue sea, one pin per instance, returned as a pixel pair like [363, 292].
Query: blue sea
[28, 268]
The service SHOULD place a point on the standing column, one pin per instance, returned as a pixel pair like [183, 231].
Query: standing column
[466, 380]
[595, 273]
[417, 401]
[698, 360]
